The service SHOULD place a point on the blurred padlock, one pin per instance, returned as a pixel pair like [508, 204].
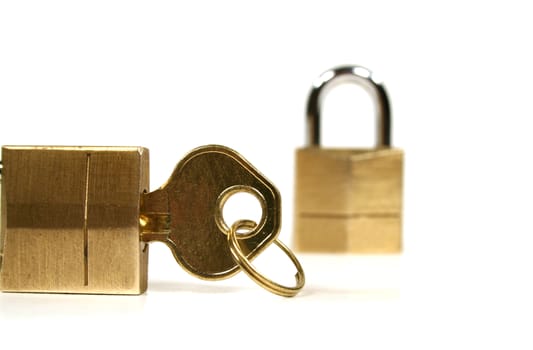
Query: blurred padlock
[348, 200]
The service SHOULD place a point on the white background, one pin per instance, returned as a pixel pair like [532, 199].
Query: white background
[172, 76]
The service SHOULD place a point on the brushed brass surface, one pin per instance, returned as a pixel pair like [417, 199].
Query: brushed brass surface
[185, 212]
[348, 200]
[70, 219]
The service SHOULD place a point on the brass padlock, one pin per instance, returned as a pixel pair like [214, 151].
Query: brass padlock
[79, 219]
[348, 200]
[70, 219]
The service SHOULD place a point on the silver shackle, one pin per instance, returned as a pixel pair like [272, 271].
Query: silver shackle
[355, 74]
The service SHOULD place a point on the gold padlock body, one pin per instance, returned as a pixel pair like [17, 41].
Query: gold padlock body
[70, 220]
[348, 200]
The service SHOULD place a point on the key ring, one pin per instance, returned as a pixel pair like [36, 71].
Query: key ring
[250, 270]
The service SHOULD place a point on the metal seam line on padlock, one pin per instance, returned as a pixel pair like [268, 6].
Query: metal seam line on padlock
[360, 76]
[85, 219]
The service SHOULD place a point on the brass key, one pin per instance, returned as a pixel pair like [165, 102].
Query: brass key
[186, 212]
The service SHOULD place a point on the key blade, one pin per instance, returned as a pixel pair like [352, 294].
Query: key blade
[185, 213]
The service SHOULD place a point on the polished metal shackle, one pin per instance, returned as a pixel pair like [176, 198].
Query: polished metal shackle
[361, 76]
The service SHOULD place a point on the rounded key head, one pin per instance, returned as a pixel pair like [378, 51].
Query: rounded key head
[196, 193]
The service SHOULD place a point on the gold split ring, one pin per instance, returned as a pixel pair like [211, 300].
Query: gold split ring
[257, 277]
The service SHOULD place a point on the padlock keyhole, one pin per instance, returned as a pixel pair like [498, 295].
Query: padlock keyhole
[348, 118]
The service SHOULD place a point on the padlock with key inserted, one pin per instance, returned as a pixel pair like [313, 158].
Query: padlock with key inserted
[348, 200]
[78, 219]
